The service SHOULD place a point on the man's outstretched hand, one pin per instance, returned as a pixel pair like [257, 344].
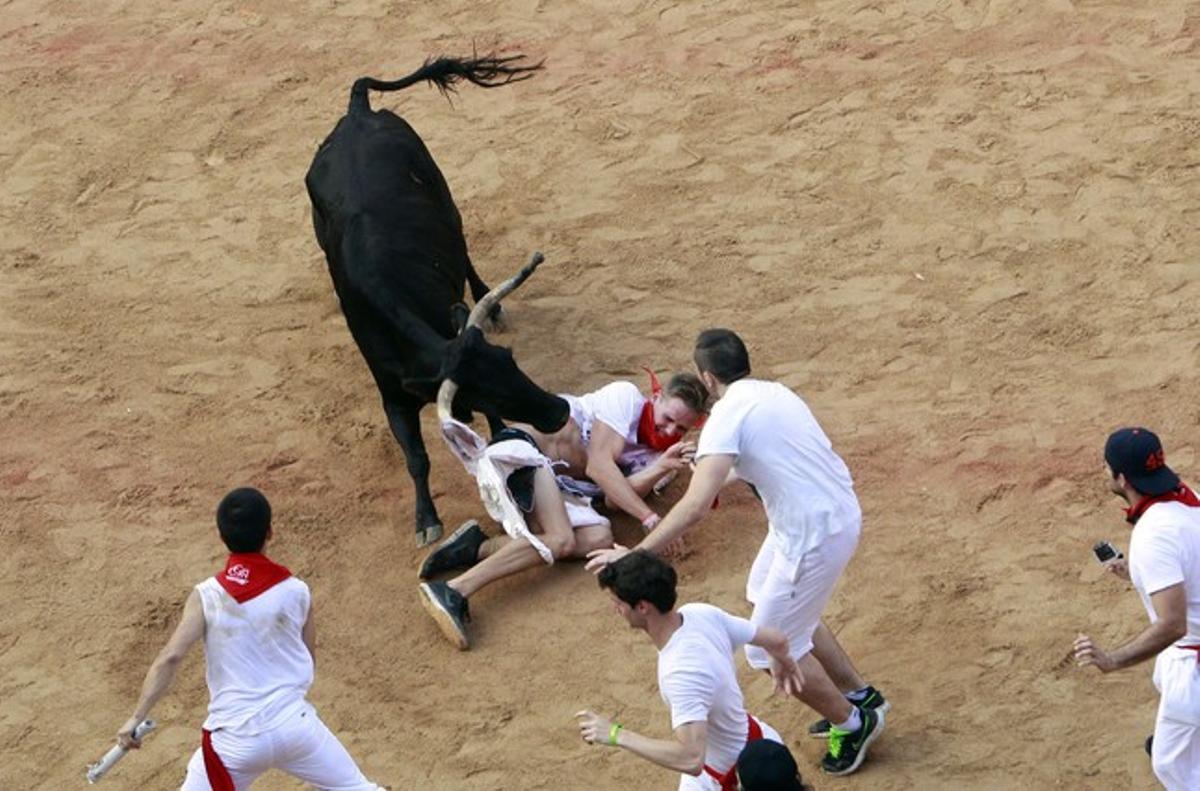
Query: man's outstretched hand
[599, 558]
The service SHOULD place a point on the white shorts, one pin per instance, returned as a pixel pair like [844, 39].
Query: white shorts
[1176, 753]
[706, 782]
[302, 746]
[791, 597]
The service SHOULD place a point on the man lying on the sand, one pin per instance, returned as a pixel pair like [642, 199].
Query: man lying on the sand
[618, 444]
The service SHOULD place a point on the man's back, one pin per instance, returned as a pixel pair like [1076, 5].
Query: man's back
[258, 667]
[805, 486]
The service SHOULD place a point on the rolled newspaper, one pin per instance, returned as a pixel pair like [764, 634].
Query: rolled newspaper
[101, 767]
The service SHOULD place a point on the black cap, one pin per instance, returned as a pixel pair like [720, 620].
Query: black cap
[1137, 454]
[765, 765]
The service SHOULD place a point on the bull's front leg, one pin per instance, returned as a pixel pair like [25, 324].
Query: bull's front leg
[404, 418]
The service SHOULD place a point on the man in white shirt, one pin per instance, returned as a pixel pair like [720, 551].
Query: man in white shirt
[1164, 566]
[764, 434]
[696, 676]
[617, 445]
[259, 645]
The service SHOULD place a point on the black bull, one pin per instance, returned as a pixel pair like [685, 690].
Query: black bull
[393, 240]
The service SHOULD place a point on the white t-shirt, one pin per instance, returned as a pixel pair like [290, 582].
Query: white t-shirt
[257, 665]
[1164, 551]
[698, 680]
[805, 487]
[617, 405]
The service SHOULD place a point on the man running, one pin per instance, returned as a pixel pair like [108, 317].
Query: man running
[764, 434]
[259, 637]
[617, 445]
[1164, 566]
[696, 676]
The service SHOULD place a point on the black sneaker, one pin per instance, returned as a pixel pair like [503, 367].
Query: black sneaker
[449, 609]
[459, 551]
[873, 700]
[847, 750]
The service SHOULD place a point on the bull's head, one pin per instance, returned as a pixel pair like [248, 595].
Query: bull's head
[482, 377]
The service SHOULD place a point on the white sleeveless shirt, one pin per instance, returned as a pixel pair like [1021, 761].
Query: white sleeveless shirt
[258, 667]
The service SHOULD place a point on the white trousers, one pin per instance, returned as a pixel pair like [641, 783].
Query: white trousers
[791, 597]
[302, 746]
[1176, 752]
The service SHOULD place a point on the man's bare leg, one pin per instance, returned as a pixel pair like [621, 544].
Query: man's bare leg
[835, 661]
[820, 693]
[518, 555]
[493, 545]
[845, 677]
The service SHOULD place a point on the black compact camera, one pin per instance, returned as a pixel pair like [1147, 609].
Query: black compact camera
[1105, 552]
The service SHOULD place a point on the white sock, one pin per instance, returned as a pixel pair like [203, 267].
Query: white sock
[853, 723]
[858, 695]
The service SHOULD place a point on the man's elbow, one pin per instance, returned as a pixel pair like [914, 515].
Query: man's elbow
[1177, 630]
[694, 763]
[595, 469]
[170, 658]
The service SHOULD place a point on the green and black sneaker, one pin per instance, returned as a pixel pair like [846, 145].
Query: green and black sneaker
[873, 700]
[848, 750]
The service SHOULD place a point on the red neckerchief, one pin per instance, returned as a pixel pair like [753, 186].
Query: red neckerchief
[1180, 494]
[729, 780]
[248, 574]
[648, 433]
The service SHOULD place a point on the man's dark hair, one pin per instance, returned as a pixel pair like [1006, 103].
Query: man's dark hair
[721, 353]
[690, 390]
[641, 576]
[244, 519]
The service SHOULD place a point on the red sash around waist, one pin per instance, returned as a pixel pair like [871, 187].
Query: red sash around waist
[729, 781]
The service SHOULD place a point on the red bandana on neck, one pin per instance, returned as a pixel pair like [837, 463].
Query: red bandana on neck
[648, 433]
[248, 574]
[1180, 494]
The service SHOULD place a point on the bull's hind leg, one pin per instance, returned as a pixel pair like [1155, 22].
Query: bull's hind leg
[405, 420]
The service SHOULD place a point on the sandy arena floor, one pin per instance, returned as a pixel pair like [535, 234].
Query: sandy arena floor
[965, 231]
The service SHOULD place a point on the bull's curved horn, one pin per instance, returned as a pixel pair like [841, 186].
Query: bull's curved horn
[445, 396]
[484, 306]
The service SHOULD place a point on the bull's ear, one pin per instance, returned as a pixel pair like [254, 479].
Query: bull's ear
[469, 340]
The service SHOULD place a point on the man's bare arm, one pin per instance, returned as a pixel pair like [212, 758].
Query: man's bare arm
[1170, 605]
[784, 671]
[673, 459]
[604, 449]
[166, 664]
[709, 476]
[684, 753]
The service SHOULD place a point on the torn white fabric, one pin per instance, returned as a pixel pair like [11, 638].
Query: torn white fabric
[491, 465]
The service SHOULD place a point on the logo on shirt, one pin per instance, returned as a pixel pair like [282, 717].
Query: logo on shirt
[238, 573]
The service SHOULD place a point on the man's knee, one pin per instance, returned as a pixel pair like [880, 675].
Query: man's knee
[560, 545]
[592, 538]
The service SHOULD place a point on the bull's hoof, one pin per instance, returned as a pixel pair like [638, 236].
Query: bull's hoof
[428, 534]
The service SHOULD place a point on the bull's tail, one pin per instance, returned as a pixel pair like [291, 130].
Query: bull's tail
[489, 71]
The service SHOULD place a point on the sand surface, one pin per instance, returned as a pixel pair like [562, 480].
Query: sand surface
[964, 231]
